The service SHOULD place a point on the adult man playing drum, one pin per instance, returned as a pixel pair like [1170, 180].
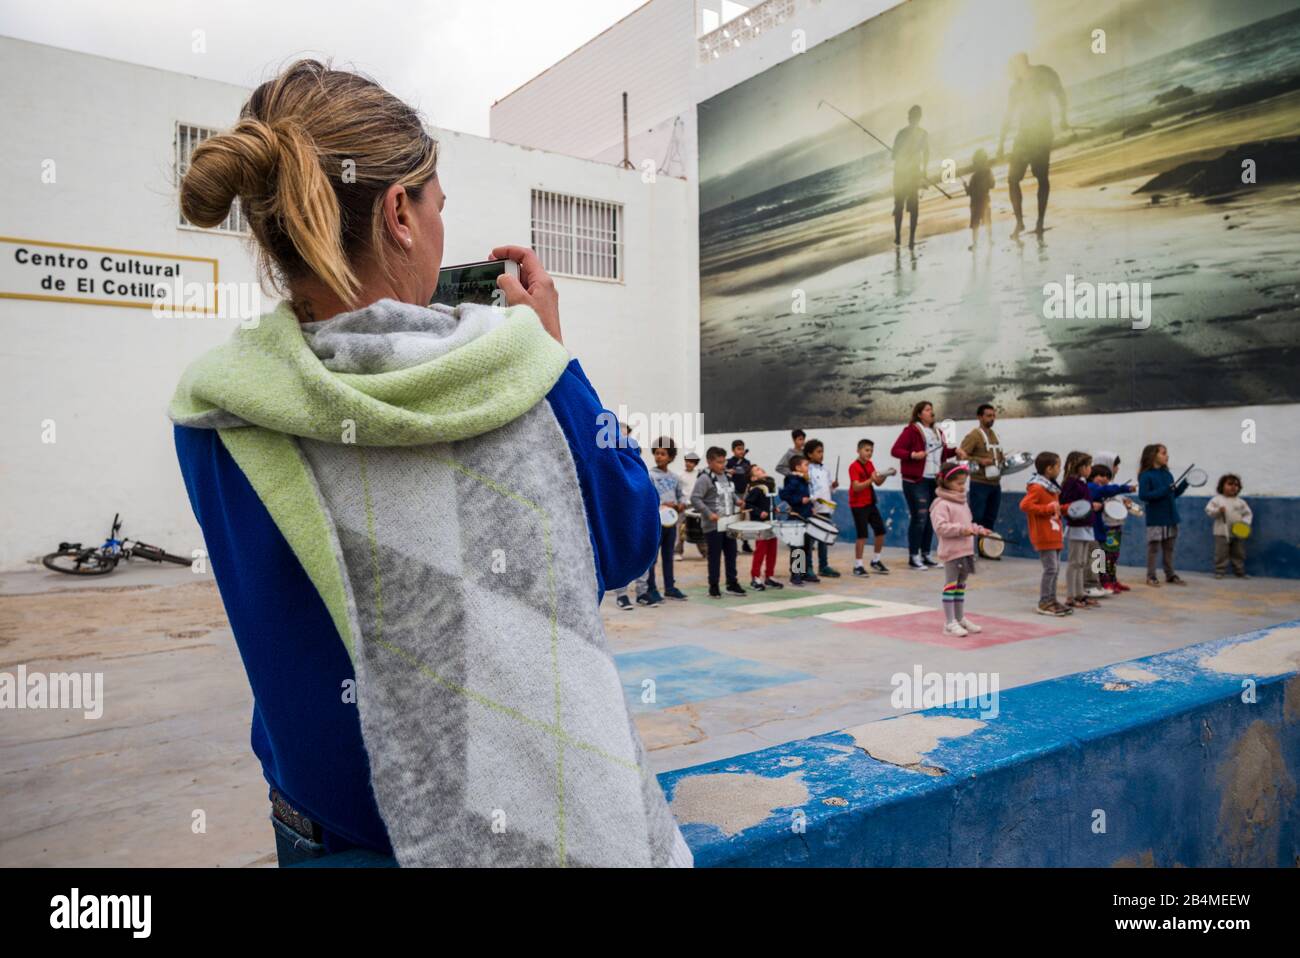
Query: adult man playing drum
[982, 448]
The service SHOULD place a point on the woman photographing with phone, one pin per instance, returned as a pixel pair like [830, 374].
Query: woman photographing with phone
[411, 514]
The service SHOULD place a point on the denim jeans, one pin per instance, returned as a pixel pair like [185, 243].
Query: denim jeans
[721, 547]
[985, 499]
[920, 532]
[667, 539]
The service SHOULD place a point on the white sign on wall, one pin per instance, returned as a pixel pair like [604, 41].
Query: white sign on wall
[101, 275]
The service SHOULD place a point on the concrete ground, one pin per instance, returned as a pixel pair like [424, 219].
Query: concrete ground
[706, 679]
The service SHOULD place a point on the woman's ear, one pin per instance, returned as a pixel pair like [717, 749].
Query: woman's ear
[398, 215]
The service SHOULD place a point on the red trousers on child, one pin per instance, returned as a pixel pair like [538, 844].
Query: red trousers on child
[764, 552]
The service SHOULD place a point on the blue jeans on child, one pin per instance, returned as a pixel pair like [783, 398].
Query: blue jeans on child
[667, 540]
[920, 532]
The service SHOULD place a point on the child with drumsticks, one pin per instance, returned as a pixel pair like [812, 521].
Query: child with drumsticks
[1107, 530]
[797, 494]
[758, 502]
[1157, 489]
[672, 495]
[1232, 517]
[951, 518]
[863, 476]
[823, 503]
[1041, 505]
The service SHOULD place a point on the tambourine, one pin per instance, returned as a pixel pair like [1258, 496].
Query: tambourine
[991, 547]
[1016, 462]
[1115, 511]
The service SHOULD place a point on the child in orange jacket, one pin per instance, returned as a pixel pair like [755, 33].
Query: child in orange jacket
[1042, 507]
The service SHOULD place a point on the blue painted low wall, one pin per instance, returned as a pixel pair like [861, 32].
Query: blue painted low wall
[1272, 550]
[1177, 770]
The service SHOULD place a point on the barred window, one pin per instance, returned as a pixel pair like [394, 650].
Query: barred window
[578, 237]
[188, 138]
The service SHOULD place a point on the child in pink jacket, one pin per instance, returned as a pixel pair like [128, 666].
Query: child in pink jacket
[951, 518]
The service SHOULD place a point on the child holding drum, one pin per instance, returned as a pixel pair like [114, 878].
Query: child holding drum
[672, 502]
[1159, 491]
[952, 522]
[1108, 522]
[758, 503]
[797, 494]
[1232, 522]
[1079, 539]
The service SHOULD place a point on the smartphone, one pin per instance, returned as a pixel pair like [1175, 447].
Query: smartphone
[473, 282]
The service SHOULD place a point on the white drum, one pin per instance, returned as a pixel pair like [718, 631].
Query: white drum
[746, 529]
[1114, 512]
[727, 521]
[991, 547]
[790, 531]
[1079, 509]
[667, 516]
[822, 529]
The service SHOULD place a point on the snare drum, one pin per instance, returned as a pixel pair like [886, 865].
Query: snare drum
[790, 531]
[822, 529]
[694, 527]
[748, 529]
[667, 516]
[1114, 512]
[725, 522]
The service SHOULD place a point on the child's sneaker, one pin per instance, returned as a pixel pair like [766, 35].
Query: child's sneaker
[715, 592]
[735, 589]
[1064, 609]
[878, 566]
[675, 593]
[954, 628]
[860, 570]
[756, 585]
[1175, 580]
[1153, 582]
[925, 558]
[914, 562]
[810, 577]
[969, 626]
[1048, 607]
[1121, 587]
[1095, 593]
[625, 603]
[772, 584]
[796, 579]
[656, 597]
[828, 572]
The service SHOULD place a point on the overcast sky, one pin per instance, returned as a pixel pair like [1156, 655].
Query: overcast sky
[449, 58]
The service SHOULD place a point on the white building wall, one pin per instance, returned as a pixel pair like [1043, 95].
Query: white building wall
[104, 374]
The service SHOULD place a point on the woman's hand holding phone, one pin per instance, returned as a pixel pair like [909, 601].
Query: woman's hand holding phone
[533, 288]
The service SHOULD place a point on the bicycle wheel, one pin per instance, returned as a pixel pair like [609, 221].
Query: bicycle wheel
[80, 562]
[154, 554]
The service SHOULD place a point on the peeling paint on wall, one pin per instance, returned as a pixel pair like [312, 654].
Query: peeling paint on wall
[903, 741]
[736, 802]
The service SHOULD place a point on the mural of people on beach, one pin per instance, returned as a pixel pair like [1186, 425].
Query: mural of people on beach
[1061, 208]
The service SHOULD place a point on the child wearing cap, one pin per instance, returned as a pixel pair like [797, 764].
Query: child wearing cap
[689, 475]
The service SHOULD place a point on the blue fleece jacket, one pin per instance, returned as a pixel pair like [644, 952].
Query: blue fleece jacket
[1156, 488]
[307, 736]
[793, 491]
[1100, 493]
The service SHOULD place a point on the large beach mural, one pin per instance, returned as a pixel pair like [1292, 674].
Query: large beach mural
[1165, 273]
